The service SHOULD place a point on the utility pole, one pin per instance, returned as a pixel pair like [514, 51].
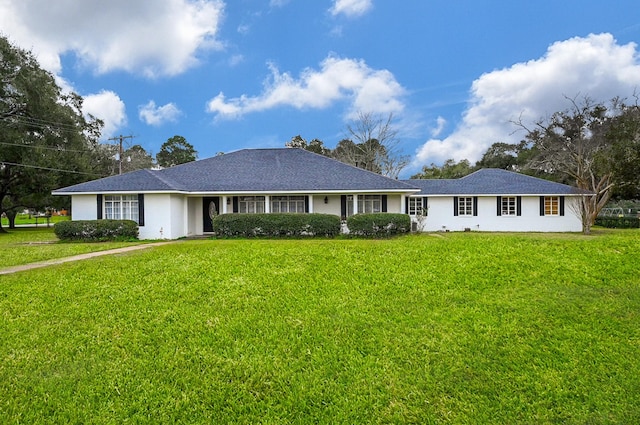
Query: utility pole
[120, 150]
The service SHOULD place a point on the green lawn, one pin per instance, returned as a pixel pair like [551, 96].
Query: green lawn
[28, 245]
[22, 219]
[446, 328]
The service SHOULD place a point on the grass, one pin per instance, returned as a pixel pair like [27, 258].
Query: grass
[28, 245]
[446, 328]
[22, 219]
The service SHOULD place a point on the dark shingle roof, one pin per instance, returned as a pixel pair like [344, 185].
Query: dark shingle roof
[249, 170]
[491, 181]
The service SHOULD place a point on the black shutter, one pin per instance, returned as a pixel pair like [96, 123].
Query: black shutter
[519, 205]
[343, 207]
[542, 205]
[455, 205]
[99, 210]
[406, 205]
[384, 203]
[235, 204]
[425, 209]
[562, 205]
[140, 209]
[499, 210]
[475, 205]
[306, 204]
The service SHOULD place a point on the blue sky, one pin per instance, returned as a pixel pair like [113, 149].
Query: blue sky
[229, 75]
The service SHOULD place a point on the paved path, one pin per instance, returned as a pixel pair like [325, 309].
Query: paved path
[79, 257]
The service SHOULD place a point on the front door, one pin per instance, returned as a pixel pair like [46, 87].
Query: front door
[210, 209]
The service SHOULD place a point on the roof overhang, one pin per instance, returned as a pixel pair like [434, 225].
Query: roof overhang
[241, 192]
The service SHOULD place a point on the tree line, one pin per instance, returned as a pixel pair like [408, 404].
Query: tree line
[594, 146]
[46, 142]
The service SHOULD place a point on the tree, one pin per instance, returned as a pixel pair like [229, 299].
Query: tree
[624, 156]
[506, 156]
[574, 142]
[176, 150]
[316, 145]
[136, 158]
[45, 140]
[449, 170]
[375, 145]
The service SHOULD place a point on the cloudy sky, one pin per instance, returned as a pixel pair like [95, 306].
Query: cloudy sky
[229, 75]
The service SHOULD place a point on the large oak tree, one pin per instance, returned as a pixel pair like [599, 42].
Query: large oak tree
[45, 140]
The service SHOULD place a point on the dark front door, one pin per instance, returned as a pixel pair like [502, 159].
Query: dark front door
[210, 209]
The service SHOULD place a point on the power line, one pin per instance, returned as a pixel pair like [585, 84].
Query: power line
[49, 169]
[120, 151]
[46, 147]
[38, 123]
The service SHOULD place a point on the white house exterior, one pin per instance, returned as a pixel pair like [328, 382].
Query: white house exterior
[180, 201]
[495, 200]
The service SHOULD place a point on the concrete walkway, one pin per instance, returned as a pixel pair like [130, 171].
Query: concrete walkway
[40, 264]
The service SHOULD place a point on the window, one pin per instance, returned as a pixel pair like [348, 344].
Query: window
[551, 205]
[417, 206]
[288, 204]
[251, 204]
[121, 207]
[370, 203]
[366, 204]
[508, 205]
[465, 205]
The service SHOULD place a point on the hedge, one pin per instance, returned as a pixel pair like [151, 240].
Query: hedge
[618, 222]
[378, 224]
[276, 225]
[96, 230]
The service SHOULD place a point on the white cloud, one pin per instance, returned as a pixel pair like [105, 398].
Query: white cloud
[594, 66]
[158, 115]
[367, 90]
[351, 8]
[236, 60]
[439, 128]
[108, 107]
[278, 3]
[162, 37]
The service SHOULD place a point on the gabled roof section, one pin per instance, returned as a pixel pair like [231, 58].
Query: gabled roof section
[135, 181]
[249, 170]
[492, 181]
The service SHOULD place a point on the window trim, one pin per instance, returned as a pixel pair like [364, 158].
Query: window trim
[419, 207]
[299, 201]
[509, 206]
[366, 202]
[543, 205]
[552, 206]
[251, 204]
[127, 206]
[465, 206]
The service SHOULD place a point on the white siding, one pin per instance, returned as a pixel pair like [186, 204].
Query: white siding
[195, 223]
[331, 207]
[164, 216]
[440, 217]
[394, 204]
[84, 207]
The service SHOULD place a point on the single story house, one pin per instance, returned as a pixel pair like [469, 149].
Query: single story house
[181, 201]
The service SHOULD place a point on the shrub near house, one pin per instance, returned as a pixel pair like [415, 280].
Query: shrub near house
[276, 225]
[96, 230]
[378, 225]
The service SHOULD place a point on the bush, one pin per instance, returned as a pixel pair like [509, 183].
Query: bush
[618, 222]
[276, 225]
[96, 230]
[378, 224]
